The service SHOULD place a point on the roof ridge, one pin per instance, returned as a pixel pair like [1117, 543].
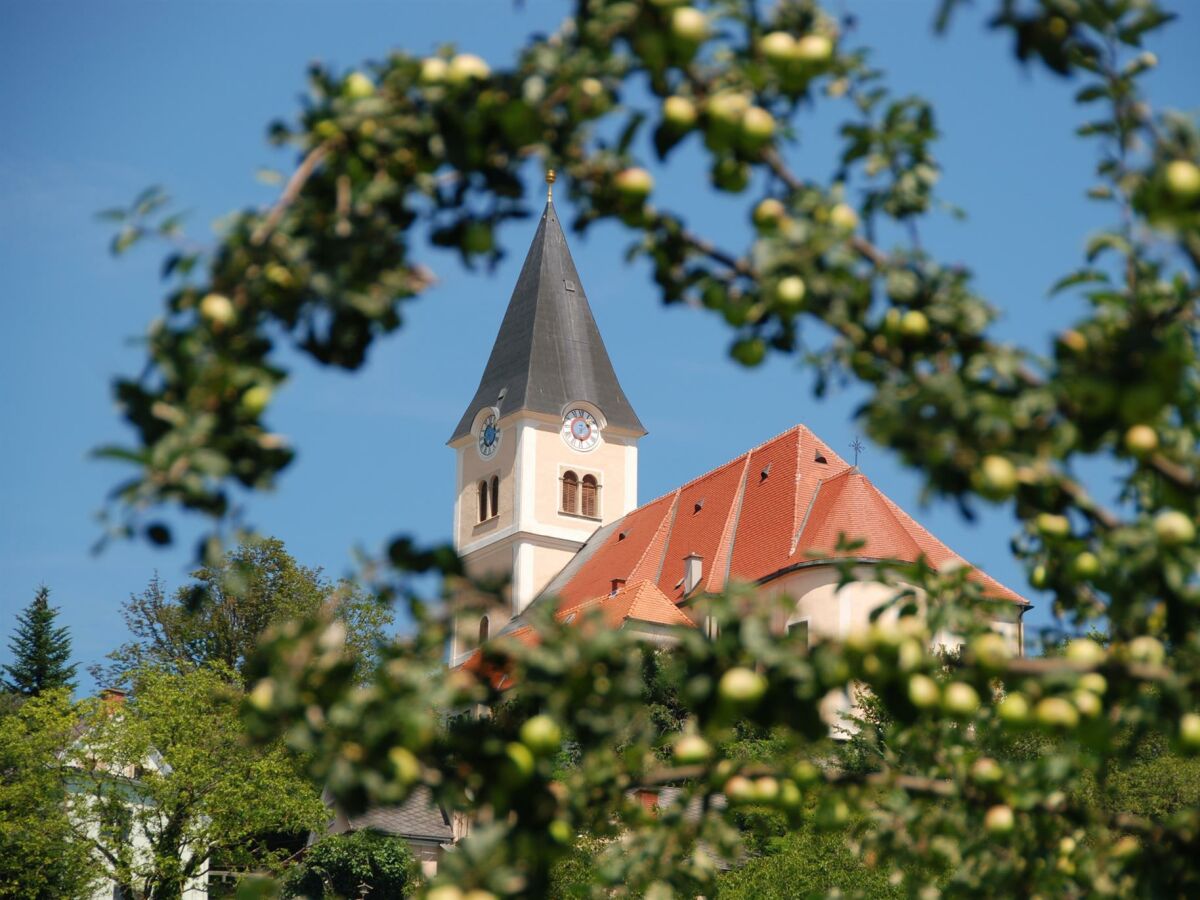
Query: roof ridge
[661, 548]
[728, 463]
[723, 557]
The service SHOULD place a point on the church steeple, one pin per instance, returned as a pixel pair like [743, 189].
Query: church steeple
[549, 352]
[546, 451]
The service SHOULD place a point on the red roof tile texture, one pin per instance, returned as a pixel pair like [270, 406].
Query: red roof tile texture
[781, 504]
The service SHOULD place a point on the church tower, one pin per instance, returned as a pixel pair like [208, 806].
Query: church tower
[546, 451]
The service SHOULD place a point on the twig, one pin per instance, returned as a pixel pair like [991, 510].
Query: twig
[290, 191]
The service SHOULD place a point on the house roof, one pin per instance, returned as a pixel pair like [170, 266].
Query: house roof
[417, 818]
[549, 352]
[781, 504]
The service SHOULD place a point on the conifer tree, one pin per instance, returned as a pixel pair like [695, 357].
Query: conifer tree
[40, 651]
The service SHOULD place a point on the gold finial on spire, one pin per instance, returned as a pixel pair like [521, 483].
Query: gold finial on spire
[550, 177]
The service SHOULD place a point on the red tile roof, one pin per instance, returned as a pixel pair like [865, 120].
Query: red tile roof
[782, 503]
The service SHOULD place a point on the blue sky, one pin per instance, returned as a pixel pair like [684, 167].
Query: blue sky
[99, 100]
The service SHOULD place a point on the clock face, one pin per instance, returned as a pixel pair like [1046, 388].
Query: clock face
[489, 437]
[580, 430]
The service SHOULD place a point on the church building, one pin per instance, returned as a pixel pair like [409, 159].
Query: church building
[546, 468]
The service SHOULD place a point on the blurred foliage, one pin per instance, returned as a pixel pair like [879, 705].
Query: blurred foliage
[833, 271]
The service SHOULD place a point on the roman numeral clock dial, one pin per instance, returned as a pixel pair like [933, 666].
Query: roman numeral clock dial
[580, 430]
[489, 437]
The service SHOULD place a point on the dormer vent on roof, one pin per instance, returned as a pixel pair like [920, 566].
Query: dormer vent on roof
[548, 352]
[699, 506]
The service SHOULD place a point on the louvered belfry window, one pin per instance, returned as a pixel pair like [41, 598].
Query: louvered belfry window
[483, 501]
[570, 492]
[495, 495]
[591, 504]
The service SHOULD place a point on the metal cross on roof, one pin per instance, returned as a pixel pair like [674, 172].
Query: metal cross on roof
[857, 446]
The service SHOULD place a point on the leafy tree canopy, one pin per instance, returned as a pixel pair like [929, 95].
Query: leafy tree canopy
[219, 618]
[42, 854]
[360, 864]
[171, 764]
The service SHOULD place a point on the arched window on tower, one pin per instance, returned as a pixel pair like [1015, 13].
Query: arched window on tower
[570, 492]
[590, 497]
[484, 627]
[495, 495]
[483, 501]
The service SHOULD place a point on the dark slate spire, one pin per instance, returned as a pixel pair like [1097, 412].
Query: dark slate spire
[549, 351]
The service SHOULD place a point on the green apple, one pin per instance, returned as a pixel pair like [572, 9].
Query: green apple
[766, 790]
[778, 47]
[813, 49]
[923, 691]
[991, 650]
[262, 697]
[444, 892]
[466, 67]
[1146, 650]
[724, 112]
[1013, 709]
[218, 309]
[730, 175]
[758, 126]
[1189, 732]
[804, 773]
[1183, 179]
[520, 760]
[739, 789]
[358, 86]
[689, 28]
[790, 290]
[986, 770]
[750, 352]
[1072, 340]
[679, 112]
[768, 214]
[434, 70]
[1086, 652]
[741, 687]
[999, 820]
[1125, 847]
[914, 324]
[406, 769]
[960, 700]
[790, 797]
[1086, 565]
[1087, 703]
[1141, 440]
[996, 477]
[691, 750]
[1039, 577]
[1093, 683]
[541, 735]
[634, 183]
[832, 812]
[843, 217]
[1055, 712]
[1052, 525]
[560, 832]
[256, 399]
[1173, 528]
